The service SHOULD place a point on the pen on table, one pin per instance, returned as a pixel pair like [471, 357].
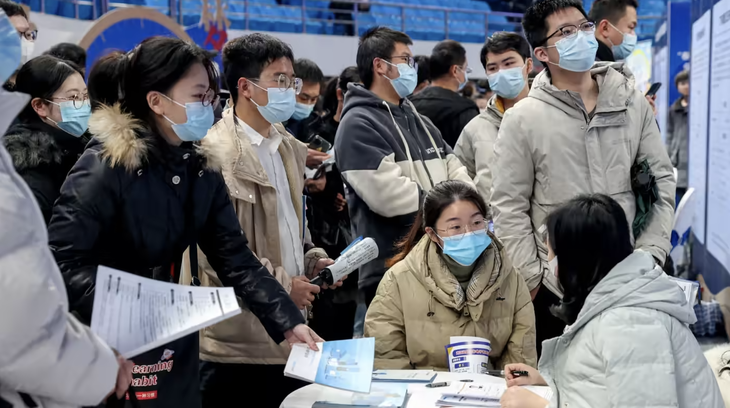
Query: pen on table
[500, 373]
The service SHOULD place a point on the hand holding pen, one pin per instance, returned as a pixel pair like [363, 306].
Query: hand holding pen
[522, 374]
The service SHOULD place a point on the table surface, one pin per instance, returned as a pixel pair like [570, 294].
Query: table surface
[305, 397]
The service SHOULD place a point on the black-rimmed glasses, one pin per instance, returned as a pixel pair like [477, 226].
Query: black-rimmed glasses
[571, 29]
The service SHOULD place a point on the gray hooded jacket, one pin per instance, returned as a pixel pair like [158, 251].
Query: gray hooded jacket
[631, 346]
[549, 150]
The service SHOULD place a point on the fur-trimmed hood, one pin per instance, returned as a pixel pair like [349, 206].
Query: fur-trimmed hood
[128, 142]
[38, 144]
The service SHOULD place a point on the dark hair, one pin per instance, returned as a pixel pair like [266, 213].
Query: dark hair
[534, 21]
[501, 42]
[106, 70]
[441, 196]
[156, 64]
[41, 77]
[329, 96]
[69, 52]
[12, 9]
[683, 76]
[611, 10]
[424, 72]
[594, 233]
[347, 76]
[377, 42]
[445, 55]
[308, 71]
[249, 55]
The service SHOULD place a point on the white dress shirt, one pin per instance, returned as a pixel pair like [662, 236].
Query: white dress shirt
[267, 150]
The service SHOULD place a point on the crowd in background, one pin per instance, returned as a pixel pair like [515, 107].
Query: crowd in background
[471, 190]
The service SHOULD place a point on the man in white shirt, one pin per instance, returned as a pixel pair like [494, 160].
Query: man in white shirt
[265, 177]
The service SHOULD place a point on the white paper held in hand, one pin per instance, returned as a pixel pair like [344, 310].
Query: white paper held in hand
[135, 314]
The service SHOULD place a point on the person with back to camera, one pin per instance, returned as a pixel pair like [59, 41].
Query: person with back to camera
[627, 343]
[69, 52]
[50, 134]
[143, 191]
[452, 277]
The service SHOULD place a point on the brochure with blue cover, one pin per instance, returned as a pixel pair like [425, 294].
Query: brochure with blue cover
[344, 364]
[381, 395]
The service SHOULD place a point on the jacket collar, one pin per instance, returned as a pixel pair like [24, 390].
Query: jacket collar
[35, 144]
[128, 142]
[604, 52]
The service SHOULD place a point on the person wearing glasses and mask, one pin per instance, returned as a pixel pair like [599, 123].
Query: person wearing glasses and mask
[507, 60]
[19, 19]
[441, 102]
[264, 170]
[145, 189]
[581, 129]
[451, 277]
[50, 134]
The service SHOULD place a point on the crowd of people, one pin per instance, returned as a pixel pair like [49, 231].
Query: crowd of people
[142, 166]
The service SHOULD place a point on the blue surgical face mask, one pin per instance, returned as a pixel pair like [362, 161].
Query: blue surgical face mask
[281, 105]
[73, 121]
[406, 83]
[10, 48]
[302, 111]
[465, 249]
[200, 120]
[623, 50]
[466, 78]
[577, 52]
[507, 83]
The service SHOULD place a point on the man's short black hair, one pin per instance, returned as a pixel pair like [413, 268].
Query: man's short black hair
[424, 74]
[249, 55]
[445, 55]
[377, 42]
[681, 77]
[534, 22]
[69, 52]
[308, 71]
[611, 10]
[501, 42]
[12, 9]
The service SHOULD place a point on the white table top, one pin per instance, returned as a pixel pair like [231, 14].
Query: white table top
[305, 397]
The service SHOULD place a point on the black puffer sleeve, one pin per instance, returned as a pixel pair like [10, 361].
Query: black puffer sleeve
[87, 204]
[226, 247]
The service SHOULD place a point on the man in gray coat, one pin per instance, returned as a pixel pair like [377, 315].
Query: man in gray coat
[678, 133]
[580, 131]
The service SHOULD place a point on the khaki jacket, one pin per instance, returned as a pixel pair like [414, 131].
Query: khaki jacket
[549, 151]
[420, 304]
[475, 147]
[242, 339]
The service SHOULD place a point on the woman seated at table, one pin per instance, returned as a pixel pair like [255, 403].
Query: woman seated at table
[451, 278]
[628, 343]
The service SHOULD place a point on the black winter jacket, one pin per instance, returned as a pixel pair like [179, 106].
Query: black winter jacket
[448, 110]
[43, 156]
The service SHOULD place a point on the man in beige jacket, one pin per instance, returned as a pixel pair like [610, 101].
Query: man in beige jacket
[265, 178]
[507, 60]
[580, 131]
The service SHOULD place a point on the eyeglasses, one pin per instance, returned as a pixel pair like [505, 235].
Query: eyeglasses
[457, 231]
[568, 30]
[408, 59]
[210, 98]
[467, 70]
[29, 35]
[283, 83]
[79, 100]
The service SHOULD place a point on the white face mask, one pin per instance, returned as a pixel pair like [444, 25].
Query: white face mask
[553, 264]
[26, 50]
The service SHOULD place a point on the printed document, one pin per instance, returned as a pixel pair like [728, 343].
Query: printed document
[135, 314]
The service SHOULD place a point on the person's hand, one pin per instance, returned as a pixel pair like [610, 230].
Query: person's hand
[124, 377]
[518, 397]
[533, 376]
[652, 102]
[315, 158]
[533, 292]
[301, 333]
[316, 185]
[302, 292]
[340, 202]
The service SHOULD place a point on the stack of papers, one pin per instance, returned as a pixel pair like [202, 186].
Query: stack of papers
[135, 314]
[345, 364]
[405, 376]
[468, 354]
[482, 395]
[382, 395]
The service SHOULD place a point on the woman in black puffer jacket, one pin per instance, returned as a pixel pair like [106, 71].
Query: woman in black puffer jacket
[51, 130]
[144, 190]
